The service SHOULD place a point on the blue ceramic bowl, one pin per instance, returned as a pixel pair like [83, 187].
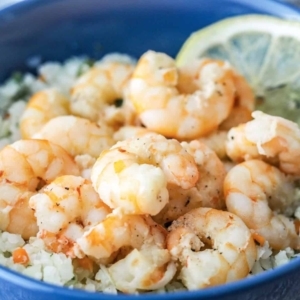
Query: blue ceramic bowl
[58, 29]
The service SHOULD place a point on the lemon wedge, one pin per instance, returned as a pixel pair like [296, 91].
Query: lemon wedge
[265, 49]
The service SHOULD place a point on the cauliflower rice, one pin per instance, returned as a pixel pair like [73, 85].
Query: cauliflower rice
[57, 268]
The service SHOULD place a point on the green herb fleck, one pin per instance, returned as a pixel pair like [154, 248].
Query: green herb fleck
[22, 93]
[90, 62]
[17, 77]
[7, 254]
[296, 103]
[118, 102]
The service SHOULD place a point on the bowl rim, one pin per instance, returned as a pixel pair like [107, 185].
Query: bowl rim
[245, 284]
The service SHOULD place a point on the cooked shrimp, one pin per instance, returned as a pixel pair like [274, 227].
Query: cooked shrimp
[208, 191]
[42, 107]
[163, 109]
[239, 115]
[102, 85]
[15, 214]
[127, 132]
[228, 165]
[244, 93]
[243, 105]
[146, 269]
[216, 141]
[25, 166]
[77, 135]
[85, 164]
[212, 247]
[133, 175]
[270, 138]
[260, 195]
[148, 265]
[64, 209]
[45, 161]
[244, 97]
[118, 116]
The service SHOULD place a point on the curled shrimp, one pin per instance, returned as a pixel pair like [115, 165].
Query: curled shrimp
[128, 132]
[153, 90]
[212, 247]
[261, 196]
[243, 104]
[147, 264]
[15, 215]
[216, 141]
[85, 164]
[64, 209]
[42, 107]
[25, 166]
[239, 115]
[244, 99]
[77, 135]
[133, 175]
[270, 138]
[98, 88]
[118, 116]
[208, 191]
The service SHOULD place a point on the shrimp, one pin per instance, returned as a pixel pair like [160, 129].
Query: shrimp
[239, 115]
[15, 214]
[127, 132]
[208, 191]
[148, 264]
[119, 115]
[216, 141]
[228, 165]
[133, 175]
[101, 86]
[25, 166]
[77, 135]
[64, 209]
[270, 138]
[212, 247]
[85, 164]
[244, 97]
[42, 107]
[162, 108]
[261, 195]
[243, 105]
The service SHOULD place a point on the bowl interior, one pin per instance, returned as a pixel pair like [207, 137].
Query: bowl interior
[57, 29]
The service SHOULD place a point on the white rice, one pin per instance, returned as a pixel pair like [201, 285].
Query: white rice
[58, 268]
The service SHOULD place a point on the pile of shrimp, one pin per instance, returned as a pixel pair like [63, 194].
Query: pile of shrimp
[180, 182]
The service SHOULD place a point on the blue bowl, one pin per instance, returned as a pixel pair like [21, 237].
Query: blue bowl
[58, 29]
